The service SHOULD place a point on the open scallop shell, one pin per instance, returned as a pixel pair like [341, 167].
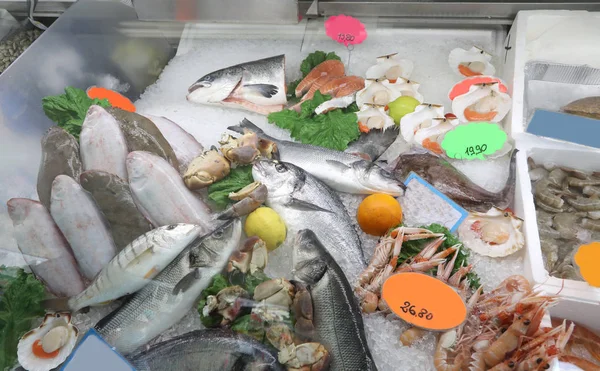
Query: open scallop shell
[57, 338]
[496, 233]
[472, 62]
[390, 67]
[463, 87]
[372, 116]
[483, 102]
[431, 137]
[406, 87]
[421, 118]
[376, 92]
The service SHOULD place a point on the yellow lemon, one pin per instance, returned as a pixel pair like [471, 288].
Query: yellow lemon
[266, 224]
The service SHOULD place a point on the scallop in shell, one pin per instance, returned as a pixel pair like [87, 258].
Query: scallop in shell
[496, 233]
[406, 87]
[431, 137]
[472, 62]
[48, 345]
[372, 116]
[421, 118]
[390, 67]
[376, 92]
[483, 102]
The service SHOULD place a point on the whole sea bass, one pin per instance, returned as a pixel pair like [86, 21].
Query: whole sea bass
[336, 313]
[257, 86]
[453, 183]
[341, 171]
[83, 225]
[44, 247]
[103, 145]
[169, 297]
[60, 155]
[113, 197]
[305, 202]
[160, 194]
[208, 350]
[134, 267]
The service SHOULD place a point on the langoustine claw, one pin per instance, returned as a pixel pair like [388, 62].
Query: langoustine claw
[249, 198]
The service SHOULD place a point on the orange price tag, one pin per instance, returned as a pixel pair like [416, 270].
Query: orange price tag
[586, 258]
[424, 301]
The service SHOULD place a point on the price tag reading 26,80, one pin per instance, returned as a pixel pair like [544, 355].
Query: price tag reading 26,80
[345, 29]
[424, 301]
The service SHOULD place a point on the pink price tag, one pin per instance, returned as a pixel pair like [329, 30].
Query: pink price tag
[345, 29]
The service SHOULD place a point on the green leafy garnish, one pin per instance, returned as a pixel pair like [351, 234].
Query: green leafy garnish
[20, 304]
[219, 282]
[68, 110]
[412, 248]
[333, 130]
[310, 62]
[250, 325]
[237, 179]
[253, 280]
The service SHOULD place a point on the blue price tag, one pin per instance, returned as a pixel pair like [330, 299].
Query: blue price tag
[423, 204]
[94, 354]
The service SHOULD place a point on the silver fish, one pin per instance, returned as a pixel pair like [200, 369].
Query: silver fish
[373, 144]
[305, 202]
[336, 314]
[169, 297]
[113, 197]
[160, 194]
[208, 350]
[257, 86]
[102, 142]
[142, 134]
[341, 171]
[44, 247]
[83, 225]
[60, 155]
[185, 146]
[134, 267]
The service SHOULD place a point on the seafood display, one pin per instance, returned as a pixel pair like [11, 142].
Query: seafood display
[567, 214]
[187, 247]
[257, 86]
[586, 107]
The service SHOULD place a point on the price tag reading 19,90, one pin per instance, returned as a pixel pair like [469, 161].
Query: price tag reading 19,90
[345, 29]
[424, 301]
[474, 140]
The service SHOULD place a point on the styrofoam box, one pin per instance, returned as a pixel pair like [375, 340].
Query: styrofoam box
[580, 45]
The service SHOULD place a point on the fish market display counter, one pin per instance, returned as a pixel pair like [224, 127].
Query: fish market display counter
[347, 147]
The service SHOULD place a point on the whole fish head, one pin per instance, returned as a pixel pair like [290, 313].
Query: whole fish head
[216, 86]
[309, 257]
[376, 178]
[61, 186]
[281, 178]
[139, 165]
[96, 115]
[216, 246]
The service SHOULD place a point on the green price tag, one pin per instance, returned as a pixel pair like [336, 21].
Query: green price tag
[474, 140]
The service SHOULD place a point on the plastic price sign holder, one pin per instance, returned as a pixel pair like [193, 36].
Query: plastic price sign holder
[562, 126]
[424, 301]
[423, 204]
[94, 354]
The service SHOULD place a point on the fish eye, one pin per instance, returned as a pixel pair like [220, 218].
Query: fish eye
[171, 227]
[218, 233]
[280, 167]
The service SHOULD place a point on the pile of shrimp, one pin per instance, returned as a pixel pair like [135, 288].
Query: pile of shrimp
[502, 332]
[583, 348]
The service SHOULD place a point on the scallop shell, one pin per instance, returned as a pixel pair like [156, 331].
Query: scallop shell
[334, 103]
[376, 92]
[496, 234]
[483, 102]
[421, 118]
[374, 117]
[435, 133]
[390, 67]
[56, 333]
[406, 87]
[472, 62]
[463, 87]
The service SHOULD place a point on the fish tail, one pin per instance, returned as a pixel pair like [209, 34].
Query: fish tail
[246, 124]
[508, 192]
[57, 304]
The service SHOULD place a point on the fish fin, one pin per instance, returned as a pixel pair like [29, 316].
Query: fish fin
[305, 205]
[144, 255]
[245, 124]
[57, 304]
[187, 281]
[265, 90]
[338, 165]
